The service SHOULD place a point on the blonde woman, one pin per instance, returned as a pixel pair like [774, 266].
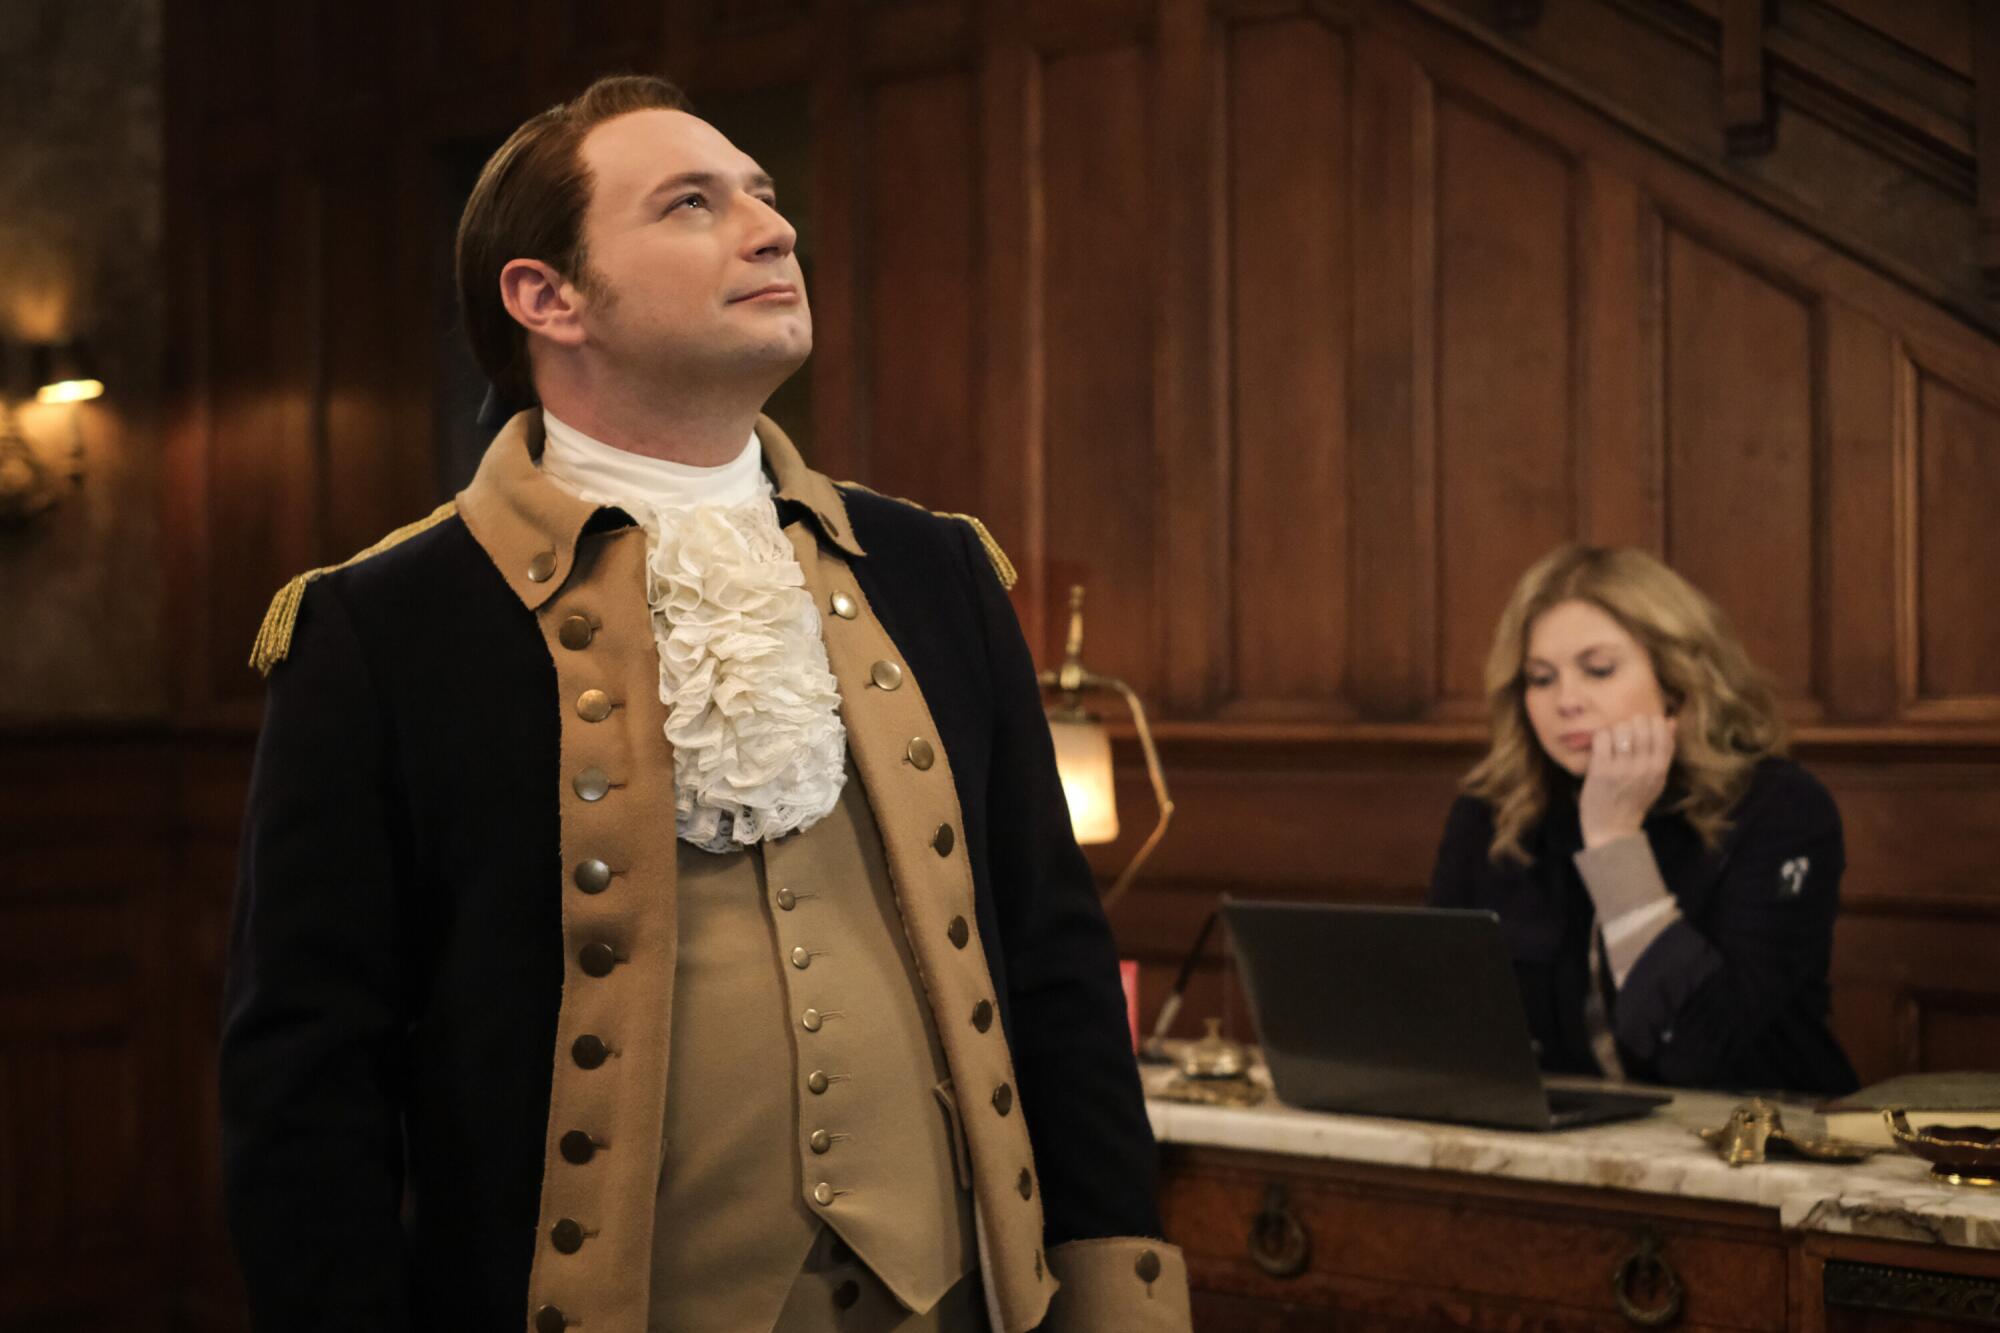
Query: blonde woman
[1667, 882]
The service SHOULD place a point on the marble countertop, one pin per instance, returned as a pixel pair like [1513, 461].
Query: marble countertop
[1889, 1196]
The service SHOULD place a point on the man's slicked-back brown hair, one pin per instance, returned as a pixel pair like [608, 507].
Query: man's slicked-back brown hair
[528, 204]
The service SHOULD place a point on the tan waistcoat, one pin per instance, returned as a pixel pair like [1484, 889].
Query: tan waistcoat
[804, 1061]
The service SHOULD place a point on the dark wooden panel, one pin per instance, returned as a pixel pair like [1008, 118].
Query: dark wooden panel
[1391, 410]
[1102, 496]
[372, 479]
[1958, 560]
[922, 260]
[1940, 30]
[1290, 315]
[1740, 357]
[1618, 448]
[262, 504]
[353, 49]
[1862, 556]
[1506, 468]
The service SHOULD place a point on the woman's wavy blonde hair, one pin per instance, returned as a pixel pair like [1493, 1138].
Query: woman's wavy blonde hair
[1727, 711]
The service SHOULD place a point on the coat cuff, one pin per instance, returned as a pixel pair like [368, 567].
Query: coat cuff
[1632, 901]
[1131, 1283]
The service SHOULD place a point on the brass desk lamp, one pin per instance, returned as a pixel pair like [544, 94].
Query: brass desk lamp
[1083, 753]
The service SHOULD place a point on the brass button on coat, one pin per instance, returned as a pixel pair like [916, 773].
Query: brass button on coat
[593, 705]
[588, 1051]
[566, 1236]
[801, 959]
[597, 960]
[1003, 1099]
[787, 900]
[576, 632]
[592, 783]
[958, 932]
[944, 840]
[1026, 1184]
[593, 876]
[577, 1147]
[548, 1319]
[810, 1020]
[886, 675]
[1148, 1267]
[822, 1194]
[542, 568]
[982, 1015]
[921, 753]
[820, 1140]
[843, 606]
[816, 1081]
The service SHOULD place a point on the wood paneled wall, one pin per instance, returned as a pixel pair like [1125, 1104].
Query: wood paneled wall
[1292, 329]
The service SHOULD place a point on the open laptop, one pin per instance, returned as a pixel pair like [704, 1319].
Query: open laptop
[1401, 1011]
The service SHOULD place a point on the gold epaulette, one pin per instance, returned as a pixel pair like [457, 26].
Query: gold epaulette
[274, 638]
[1003, 568]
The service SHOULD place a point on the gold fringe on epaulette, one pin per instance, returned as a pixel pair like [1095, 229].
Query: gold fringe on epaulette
[1003, 568]
[274, 637]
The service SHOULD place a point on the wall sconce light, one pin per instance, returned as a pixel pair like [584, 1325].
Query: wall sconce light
[64, 372]
[50, 373]
[1083, 753]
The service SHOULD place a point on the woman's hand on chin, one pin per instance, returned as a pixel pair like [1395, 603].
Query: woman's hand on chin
[1627, 772]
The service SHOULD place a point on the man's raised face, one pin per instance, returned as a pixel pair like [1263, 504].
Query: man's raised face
[690, 269]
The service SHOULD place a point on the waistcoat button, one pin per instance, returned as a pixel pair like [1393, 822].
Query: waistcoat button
[1148, 1267]
[944, 840]
[843, 606]
[593, 876]
[787, 900]
[597, 960]
[822, 1194]
[820, 1140]
[1026, 1184]
[588, 1051]
[1003, 1099]
[809, 1020]
[982, 1015]
[578, 1147]
[593, 705]
[816, 1081]
[801, 959]
[958, 932]
[921, 753]
[886, 675]
[576, 632]
[592, 783]
[548, 1319]
[566, 1236]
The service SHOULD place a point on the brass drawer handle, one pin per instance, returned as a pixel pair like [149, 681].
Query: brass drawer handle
[1279, 1242]
[1647, 1268]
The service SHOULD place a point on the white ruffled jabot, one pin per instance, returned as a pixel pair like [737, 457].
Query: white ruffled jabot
[753, 711]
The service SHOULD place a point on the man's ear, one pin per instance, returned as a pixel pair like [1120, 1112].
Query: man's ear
[542, 301]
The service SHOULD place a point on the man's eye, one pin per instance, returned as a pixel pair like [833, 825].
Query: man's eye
[697, 200]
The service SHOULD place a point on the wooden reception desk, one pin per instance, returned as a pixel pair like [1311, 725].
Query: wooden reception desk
[1301, 1220]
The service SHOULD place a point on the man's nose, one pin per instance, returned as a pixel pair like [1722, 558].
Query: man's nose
[770, 236]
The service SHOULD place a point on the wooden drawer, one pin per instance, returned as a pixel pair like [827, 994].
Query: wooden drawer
[1413, 1249]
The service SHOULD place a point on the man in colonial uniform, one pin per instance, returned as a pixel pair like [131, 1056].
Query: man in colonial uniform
[658, 909]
